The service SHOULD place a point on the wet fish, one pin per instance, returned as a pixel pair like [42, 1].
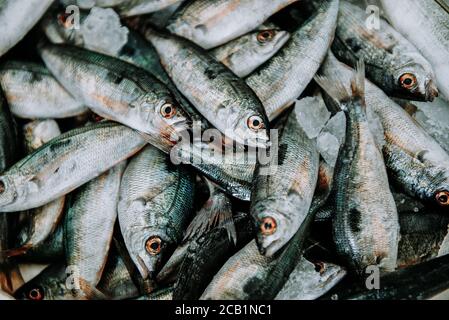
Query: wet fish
[89, 224]
[246, 53]
[140, 7]
[212, 23]
[50, 250]
[365, 223]
[117, 90]
[9, 143]
[392, 62]
[17, 17]
[160, 294]
[65, 163]
[281, 199]
[309, 281]
[414, 160]
[285, 76]
[156, 200]
[206, 254]
[424, 23]
[218, 94]
[33, 93]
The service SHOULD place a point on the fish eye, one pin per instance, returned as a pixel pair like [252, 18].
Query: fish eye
[2, 187]
[268, 226]
[408, 81]
[442, 198]
[255, 123]
[153, 245]
[265, 35]
[168, 110]
[36, 294]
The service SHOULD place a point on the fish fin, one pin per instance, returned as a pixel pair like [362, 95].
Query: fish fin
[336, 90]
[358, 81]
[90, 292]
[10, 278]
[17, 251]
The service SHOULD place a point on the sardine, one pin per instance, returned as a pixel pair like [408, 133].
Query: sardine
[9, 142]
[392, 62]
[212, 23]
[49, 251]
[365, 223]
[246, 53]
[285, 76]
[65, 163]
[425, 24]
[140, 7]
[219, 95]
[281, 200]
[156, 200]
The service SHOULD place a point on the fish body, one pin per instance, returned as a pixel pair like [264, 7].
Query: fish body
[140, 7]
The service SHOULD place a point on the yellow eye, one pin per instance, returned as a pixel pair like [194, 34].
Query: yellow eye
[442, 198]
[168, 110]
[408, 81]
[265, 35]
[255, 123]
[268, 226]
[153, 245]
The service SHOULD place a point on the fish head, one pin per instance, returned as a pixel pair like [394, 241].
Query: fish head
[8, 191]
[249, 128]
[268, 41]
[415, 79]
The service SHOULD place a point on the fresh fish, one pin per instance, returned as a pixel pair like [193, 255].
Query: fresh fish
[17, 17]
[414, 160]
[285, 76]
[65, 163]
[365, 222]
[425, 24]
[156, 200]
[161, 18]
[212, 23]
[218, 94]
[281, 201]
[206, 254]
[50, 250]
[139, 7]
[33, 93]
[117, 90]
[160, 294]
[392, 62]
[9, 143]
[309, 281]
[246, 53]
[89, 224]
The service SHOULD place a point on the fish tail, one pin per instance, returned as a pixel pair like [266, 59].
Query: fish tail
[335, 89]
[17, 251]
[358, 81]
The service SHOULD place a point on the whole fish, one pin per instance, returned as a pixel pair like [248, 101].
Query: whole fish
[17, 17]
[424, 23]
[117, 90]
[392, 62]
[285, 76]
[306, 282]
[140, 7]
[206, 254]
[414, 160]
[246, 53]
[9, 142]
[33, 93]
[212, 23]
[89, 224]
[65, 163]
[156, 200]
[281, 201]
[219, 95]
[365, 223]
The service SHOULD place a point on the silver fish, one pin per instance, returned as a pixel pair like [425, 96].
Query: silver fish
[285, 76]
[140, 7]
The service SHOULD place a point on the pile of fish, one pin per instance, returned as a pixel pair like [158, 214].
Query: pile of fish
[227, 149]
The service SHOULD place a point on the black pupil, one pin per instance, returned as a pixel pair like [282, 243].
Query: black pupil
[256, 123]
[408, 81]
[34, 293]
[266, 35]
[154, 246]
[443, 199]
[167, 110]
[267, 226]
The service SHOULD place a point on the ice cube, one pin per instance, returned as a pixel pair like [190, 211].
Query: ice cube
[337, 126]
[328, 146]
[312, 115]
[103, 32]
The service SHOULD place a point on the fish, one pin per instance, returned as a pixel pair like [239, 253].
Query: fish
[229, 105]
[309, 281]
[65, 163]
[89, 224]
[392, 63]
[424, 23]
[156, 200]
[414, 160]
[280, 201]
[248, 52]
[160, 294]
[9, 141]
[17, 17]
[365, 222]
[33, 93]
[284, 77]
[38, 132]
[210, 24]
[140, 7]
[206, 254]
[117, 91]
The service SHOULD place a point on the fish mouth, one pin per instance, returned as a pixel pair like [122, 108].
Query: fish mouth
[431, 91]
[268, 249]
